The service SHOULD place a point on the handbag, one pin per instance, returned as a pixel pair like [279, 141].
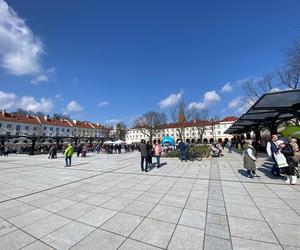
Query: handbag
[280, 160]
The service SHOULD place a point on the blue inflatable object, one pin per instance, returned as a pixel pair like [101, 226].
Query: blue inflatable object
[168, 139]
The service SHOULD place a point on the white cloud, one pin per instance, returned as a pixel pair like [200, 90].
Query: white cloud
[29, 103]
[58, 97]
[7, 100]
[210, 98]
[226, 88]
[11, 101]
[171, 100]
[247, 104]
[104, 103]
[195, 105]
[20, 49]
[274, 90]
[112, 121]
[73, 107]
[235, 103]
[40, 78]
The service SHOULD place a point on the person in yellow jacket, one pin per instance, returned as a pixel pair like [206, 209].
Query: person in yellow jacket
[68, 154]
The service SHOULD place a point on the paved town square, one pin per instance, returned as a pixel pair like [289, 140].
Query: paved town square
[105, 202]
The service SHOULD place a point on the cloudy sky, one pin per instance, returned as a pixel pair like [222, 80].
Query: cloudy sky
[108, 61]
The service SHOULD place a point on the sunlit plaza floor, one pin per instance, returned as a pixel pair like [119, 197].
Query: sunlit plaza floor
[106, 202]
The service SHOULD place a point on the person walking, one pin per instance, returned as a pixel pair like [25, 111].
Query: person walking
[249, 159]
[182, 150]
[287, 150]
[79, 150]
[149, 154]
[68, 154]
[144, 152]
[271, 150]
[84, 150]
[157, 151]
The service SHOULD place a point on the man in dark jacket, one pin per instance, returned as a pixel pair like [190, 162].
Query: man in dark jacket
[144, 153]
[182, 150]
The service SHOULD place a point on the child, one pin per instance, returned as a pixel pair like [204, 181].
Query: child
[249, 159]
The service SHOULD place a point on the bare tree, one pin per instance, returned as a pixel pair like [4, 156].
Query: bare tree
[255, 88]
[149, 123]
[290, 78]
[61, 116]
[121, 131]
[25, 112]
[180, 114]
[290, 75]
[200, 120]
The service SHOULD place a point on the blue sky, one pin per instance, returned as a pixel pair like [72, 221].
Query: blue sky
[115, 60]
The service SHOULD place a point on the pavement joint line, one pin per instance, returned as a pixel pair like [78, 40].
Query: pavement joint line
[110, 171]
[283, 201]
[146, 216]
[115, 215]
[19, 228]
[56, 213]
[206, 214]
[228, 225]
[260, 211]
[181, 214]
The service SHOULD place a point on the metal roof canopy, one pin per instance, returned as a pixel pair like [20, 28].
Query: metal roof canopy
[274, 106]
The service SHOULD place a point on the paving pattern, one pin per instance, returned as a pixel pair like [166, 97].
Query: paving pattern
[106, 202]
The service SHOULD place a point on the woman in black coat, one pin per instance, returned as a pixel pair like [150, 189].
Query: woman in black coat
[287, 150]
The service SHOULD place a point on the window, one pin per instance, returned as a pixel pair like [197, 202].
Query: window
[18, 127]
[34, 128]
[7, 133]
[26, 127]
[51, 129]
[219, 132]
[45, 128]
[57, 129]
[17, 133]
[44, 134]
[8, 125]
[0, 125]
[68, 130]
[34, 134]
[63, 130]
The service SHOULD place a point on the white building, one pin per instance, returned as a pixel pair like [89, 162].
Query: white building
[26, 125]
[55, 127]
[12, 124]
[212, 130]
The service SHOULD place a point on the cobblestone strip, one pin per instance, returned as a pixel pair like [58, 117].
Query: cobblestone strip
[217, 232]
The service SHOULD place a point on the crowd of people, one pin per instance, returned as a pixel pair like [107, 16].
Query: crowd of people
[284, 153]
[148, 151]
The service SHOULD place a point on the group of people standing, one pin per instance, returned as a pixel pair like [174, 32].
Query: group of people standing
[148, 151]
[285, 155]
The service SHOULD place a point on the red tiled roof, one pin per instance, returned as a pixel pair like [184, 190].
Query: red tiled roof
[81, 124]
[186, 124]
[18, 118]
[54, 121]
[229, 119]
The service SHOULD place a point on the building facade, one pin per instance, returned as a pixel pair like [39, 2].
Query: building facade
[12, 124]
[193, 131]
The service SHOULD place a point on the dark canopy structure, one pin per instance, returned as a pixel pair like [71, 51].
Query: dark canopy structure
[268, 111]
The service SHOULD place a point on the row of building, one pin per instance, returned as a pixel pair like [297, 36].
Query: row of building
[13, 124]
[210, 129]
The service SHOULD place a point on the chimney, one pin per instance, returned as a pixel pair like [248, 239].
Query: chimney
[46, 117]
[3, 112]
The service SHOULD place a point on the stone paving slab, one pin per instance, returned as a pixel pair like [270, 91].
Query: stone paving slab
[106, 202]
